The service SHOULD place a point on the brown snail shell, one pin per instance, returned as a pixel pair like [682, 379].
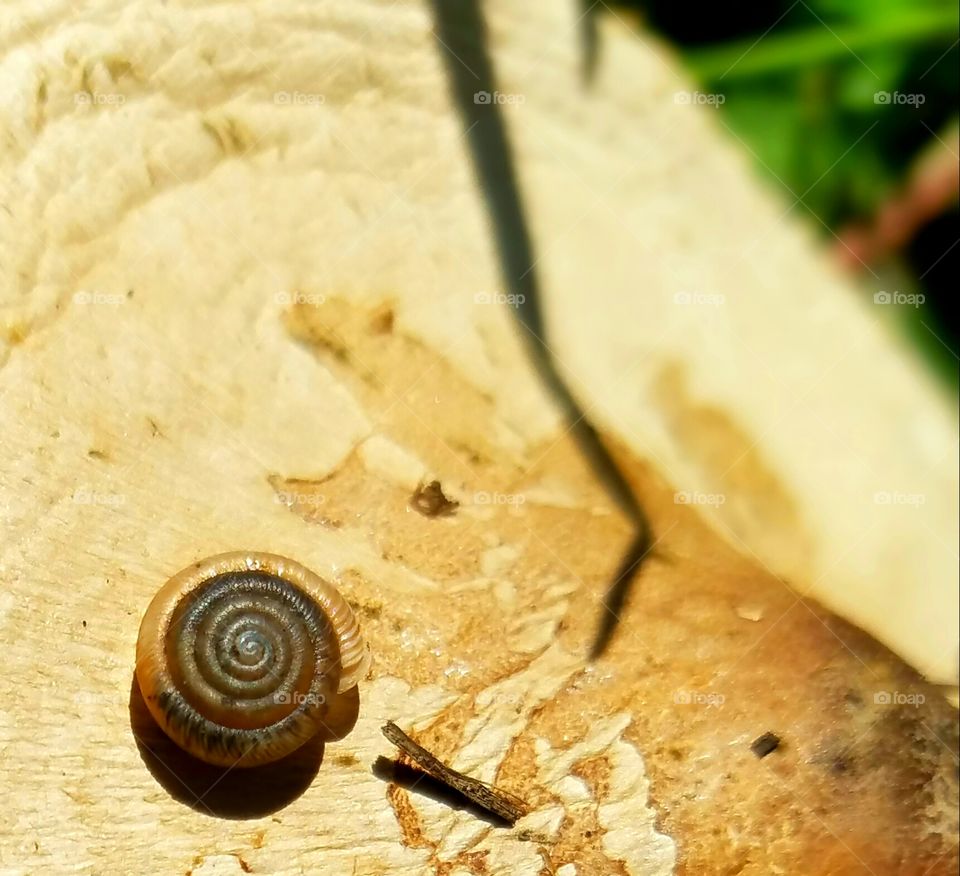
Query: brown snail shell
[240, 655]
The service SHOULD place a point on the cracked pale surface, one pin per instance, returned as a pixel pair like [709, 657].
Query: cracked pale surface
[501, 714]
[629, 821]
[149, 390]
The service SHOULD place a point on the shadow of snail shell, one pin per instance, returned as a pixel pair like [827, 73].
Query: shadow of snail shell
[240, 655]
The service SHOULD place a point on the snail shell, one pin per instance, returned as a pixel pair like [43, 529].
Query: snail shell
[240, 655]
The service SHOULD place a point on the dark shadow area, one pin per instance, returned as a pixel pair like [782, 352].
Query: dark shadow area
[462, 41]
[926, 251]
[342, 715]
[615, 598]
[589, 39]
[236, 793]
[419, 782]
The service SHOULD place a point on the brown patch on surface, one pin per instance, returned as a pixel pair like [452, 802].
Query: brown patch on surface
[595, 773]
[413, 837]
[15, 333]
[434, 409]
[863, 787]
[579, 839]
[475, 862]
[729, 458]
[200, 860]
[381, 320]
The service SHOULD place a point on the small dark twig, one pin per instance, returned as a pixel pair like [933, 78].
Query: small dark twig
[763, 745]
[409, 776]
[501, 803]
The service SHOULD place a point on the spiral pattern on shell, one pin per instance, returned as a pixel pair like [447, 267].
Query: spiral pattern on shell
[239, 656]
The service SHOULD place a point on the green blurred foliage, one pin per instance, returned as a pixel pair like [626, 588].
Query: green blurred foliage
[836, 99]
[803, 93]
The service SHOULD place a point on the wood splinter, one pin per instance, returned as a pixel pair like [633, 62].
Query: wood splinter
[501, 803]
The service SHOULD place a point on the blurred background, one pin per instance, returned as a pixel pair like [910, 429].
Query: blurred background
[850, 109]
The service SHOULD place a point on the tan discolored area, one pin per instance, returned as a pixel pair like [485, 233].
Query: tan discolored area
[712, 651]
[179, 175]
[730, 461]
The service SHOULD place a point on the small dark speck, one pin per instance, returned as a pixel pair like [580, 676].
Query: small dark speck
[841, 764]
[430, 501]
[129, 293]
[853, 698]
[84, 624]
[381, 322]
[763, 745]
[93, 453]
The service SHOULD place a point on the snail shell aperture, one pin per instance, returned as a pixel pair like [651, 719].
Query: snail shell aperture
[240, 655]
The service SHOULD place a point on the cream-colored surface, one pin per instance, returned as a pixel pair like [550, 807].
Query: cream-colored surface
[177, 175]
[730, 354]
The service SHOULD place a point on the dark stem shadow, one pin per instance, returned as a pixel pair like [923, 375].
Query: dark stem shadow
[589, 39]
[462, 41]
